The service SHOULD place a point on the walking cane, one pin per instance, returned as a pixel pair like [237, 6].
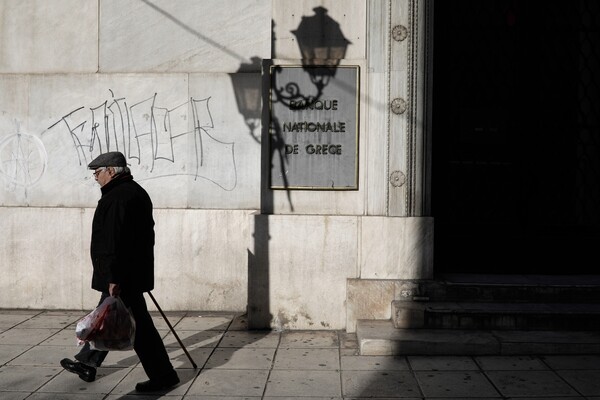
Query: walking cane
[172, 330]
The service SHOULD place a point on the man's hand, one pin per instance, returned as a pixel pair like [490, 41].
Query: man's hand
[114, 289]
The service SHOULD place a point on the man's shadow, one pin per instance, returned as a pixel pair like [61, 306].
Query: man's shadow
[210, 340]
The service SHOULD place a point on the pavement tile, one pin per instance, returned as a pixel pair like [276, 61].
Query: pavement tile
[442, 363]
[49, 321]
[76, 314]
[462, 384]
[62, 337]
[360, 384]
[188, 397]
[234, 358]
[12, 318]
[181, 361]
[348, 340]
[11, 351]
[17, 311]
[262, 339]
[486, 398]
[44, 355]
[236, 364]
[572, 361]
[239, 323]
[26, 378]
[311, 339]
[222, 382]
[349, 352]
[126, 386]
[301, 398]
[201, 323]
[137, 396]
[585, 382]
[551, 398]
[15, 395]
[510, 363]
[530, 383]
[286, 383]
[311, 359]
[191, 339]
[389, 398]
[67, 382]
[348, 344]
[116, 359]
[161, 324]
[374, 363]
[31, 336]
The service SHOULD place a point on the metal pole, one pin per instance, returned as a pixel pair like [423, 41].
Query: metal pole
[172, 330]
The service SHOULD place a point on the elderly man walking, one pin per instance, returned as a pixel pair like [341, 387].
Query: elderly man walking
[122, 251]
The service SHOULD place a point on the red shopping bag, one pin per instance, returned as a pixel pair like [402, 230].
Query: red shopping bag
[109, 327]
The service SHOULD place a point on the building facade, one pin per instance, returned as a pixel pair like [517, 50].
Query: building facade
[185, 90]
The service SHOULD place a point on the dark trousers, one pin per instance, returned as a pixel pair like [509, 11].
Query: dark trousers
[147, 344]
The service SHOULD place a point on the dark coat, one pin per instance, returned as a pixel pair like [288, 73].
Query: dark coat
[122, 246]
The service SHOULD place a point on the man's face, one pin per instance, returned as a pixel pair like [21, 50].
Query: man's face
[103, 175]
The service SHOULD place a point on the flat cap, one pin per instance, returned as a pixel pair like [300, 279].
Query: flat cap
[110, 159]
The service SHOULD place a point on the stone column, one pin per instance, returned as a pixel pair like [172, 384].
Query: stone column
[399, 38]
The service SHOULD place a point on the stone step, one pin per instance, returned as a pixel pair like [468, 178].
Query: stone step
[380, 337]
[515, 288]
[500, 316]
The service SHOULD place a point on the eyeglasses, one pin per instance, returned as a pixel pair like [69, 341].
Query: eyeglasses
[97, 172]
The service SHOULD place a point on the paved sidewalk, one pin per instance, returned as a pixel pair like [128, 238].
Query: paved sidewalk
[237, 364]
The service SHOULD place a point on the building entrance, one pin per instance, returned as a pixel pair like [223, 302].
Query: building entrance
[516, 136]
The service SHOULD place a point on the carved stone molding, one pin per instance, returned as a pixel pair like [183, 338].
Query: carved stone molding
[397, 179]
[399, 33]
[398, 106]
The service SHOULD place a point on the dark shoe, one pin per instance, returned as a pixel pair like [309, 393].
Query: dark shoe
[158, 385]
[85, 372]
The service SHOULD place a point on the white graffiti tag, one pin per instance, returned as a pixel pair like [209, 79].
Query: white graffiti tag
[23, 160]
[159, 140]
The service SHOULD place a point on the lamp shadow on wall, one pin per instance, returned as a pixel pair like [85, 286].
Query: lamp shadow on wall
[249, 92]
[248, 98]
[322, 46]
[248, 95]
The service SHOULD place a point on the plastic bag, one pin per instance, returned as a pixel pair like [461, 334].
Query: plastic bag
[109, 327]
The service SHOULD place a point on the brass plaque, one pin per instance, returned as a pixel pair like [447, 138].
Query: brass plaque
[313, 128]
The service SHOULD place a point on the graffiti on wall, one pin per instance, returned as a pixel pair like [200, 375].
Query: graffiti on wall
[158, 140]
[23, 160]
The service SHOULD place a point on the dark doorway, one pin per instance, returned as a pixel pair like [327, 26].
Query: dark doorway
[516, 136]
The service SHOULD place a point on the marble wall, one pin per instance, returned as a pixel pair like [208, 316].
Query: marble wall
[157, 80]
